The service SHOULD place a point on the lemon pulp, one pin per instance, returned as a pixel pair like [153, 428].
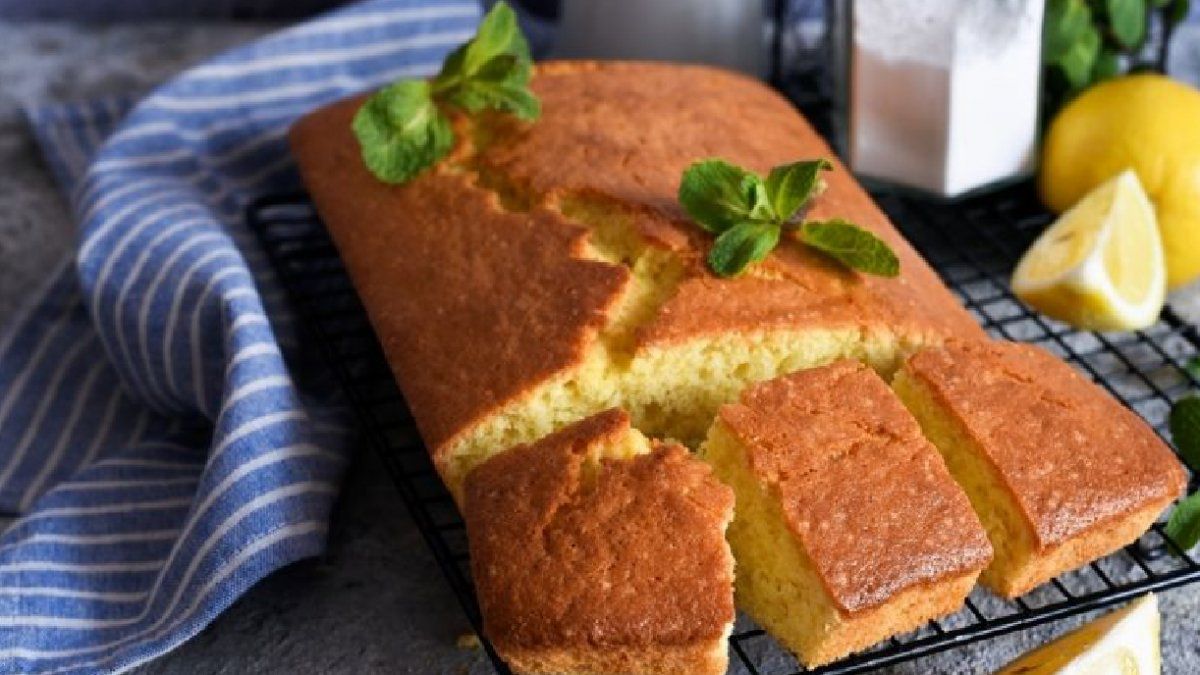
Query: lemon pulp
[1100, 265]
[1124, 642]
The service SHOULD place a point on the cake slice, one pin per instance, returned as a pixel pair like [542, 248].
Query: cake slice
[1059, 472]
[849, 528]
[595, 551]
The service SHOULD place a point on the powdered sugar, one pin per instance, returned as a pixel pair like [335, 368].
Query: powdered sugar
[944, 93]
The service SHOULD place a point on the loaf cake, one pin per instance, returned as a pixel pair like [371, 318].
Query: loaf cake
[595, 551]
[1059, 472]
[849, 528]
[545, 272]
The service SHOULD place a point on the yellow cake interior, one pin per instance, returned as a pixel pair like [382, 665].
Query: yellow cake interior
[670, 392]
[1011, 538]
[775, 581]
[777, 584]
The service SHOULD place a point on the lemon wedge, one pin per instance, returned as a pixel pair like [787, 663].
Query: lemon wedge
[1124, 642]
[1100, 265]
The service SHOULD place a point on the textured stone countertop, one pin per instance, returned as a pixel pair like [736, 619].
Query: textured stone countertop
[377, 603]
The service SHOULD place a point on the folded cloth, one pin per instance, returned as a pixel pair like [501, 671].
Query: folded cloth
[161, 443]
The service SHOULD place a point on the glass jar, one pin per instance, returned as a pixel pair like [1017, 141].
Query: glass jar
[727, 33]
[937, 95]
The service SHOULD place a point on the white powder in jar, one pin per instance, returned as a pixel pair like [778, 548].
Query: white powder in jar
[944, 93]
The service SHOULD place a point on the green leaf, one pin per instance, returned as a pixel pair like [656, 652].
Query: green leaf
[401, 132]
[476, 95]
[1128, 21]
[1185, 429]
[452, 68]
[1077, 62]
[1066, 21]
[790, 186]
[497, 34]
[1183, 527]
[503, 68]
[498, 52]
[741, 245]
[718, 195]
[1193, 366]
[851, 245]
[1178, 11]
[1107, 66]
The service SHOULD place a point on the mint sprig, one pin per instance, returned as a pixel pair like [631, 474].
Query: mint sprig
[852, 246]
[1183, 527]
[1089, 41]
[1184, 423]
[403, 129]
[750, 215]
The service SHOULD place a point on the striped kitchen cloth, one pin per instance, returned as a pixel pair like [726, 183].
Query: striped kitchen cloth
[161, 448]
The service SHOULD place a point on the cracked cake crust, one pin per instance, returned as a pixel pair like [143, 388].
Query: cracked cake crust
[535, 251]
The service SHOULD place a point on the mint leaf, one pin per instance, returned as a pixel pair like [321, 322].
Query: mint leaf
[498, 34]
[741, 245]
[475, 96]
[1128, 21]
[792, 185]
[1066, 21]
[1178, 11]
[1107, 65]
[401, 131]
[718, 195]
[1183, 527]
[503, 68]
[497, 53]
[1077, 62]
[852, 246]
[750, 214]
[1185, 429]
[1193, 366]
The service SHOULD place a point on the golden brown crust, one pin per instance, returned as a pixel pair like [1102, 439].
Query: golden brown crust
[473, 305]
[867, 497]
[1072, 457]
[621, 131]
[477, 305]
[628, 558]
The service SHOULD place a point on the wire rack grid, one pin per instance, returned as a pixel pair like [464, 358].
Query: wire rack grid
[972, 244]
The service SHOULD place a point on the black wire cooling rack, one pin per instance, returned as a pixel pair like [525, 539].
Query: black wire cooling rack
[973, 245]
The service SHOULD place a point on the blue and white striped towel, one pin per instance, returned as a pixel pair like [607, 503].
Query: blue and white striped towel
[161, 450]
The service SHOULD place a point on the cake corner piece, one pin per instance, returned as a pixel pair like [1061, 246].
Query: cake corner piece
[597, 550]
[1059, 472]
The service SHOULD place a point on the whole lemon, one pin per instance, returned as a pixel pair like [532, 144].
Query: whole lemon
[1149, 123]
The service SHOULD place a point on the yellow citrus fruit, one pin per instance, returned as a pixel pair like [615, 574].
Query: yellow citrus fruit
[1100, 265]
[1124, 642]
[1148, 123]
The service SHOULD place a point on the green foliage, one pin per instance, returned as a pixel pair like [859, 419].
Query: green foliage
[749, 215]
[402, 128]
[852, 246]
[1185, 429]
[1184, 525]
[1089, 41]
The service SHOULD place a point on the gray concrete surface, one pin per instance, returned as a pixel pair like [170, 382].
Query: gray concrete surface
[377, 602]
